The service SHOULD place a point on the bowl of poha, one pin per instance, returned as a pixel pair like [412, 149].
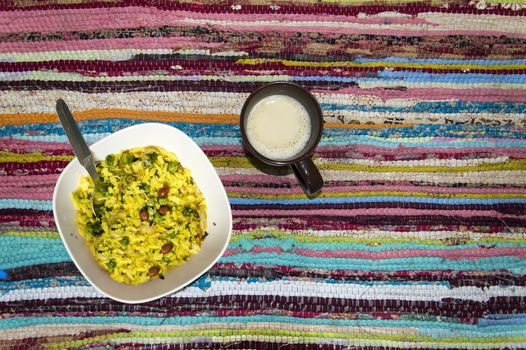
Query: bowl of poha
[166, 218]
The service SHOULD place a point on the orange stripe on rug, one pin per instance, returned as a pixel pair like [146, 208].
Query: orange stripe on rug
[90, 114]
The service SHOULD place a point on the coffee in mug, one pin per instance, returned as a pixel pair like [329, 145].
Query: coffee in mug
[278, 127]
[281, 124]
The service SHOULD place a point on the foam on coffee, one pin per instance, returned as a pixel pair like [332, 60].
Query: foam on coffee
[278, 127]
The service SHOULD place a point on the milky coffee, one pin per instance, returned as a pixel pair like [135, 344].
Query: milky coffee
[278, 127]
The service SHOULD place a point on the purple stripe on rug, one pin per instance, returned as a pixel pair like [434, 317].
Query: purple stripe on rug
[44, 167]
[509, 208]
[271, 303]
[157, 85]
[30, 217]
[315, 221]
[403, 224]
[246, 271]
[316, 8]
[216, 66]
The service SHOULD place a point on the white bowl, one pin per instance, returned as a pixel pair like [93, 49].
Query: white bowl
[219, 215]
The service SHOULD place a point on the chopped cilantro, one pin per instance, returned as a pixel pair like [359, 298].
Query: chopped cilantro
[110, 162]
[111, 264]
[151, 211]
[144, 187]
[94, 229]
[174, 167]
[157, 218]
[126, 158]
[152, 157]
[189, 212]
[125, 241]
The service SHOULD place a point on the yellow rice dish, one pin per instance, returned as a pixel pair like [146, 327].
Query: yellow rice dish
[153, 217]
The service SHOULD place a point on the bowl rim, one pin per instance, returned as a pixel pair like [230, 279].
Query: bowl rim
[183, 285]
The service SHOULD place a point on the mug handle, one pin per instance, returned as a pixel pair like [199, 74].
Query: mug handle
[308, 176]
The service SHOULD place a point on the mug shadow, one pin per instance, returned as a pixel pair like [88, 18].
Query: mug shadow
[273, 170]
[269, 169]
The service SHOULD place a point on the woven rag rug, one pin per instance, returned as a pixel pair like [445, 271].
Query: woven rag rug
[418, 238]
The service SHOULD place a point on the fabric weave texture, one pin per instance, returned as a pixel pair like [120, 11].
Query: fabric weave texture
[418, 238]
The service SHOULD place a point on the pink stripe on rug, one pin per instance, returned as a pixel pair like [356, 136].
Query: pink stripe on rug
[374, 19]
[231, 252]
[43, 146]
[374, 212]
[478, 94]
[471, 141]
[267, 250]
[57, 20]
[263, 179]
[360, 149]
[66, 20]
[20, 189]
[450, 254]
[13, 180]
[46, 193]
[517, 152]
[378, 188]
[31, 146]
[496, 151]
[17, 192]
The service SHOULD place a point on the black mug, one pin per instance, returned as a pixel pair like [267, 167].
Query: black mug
[301, 163]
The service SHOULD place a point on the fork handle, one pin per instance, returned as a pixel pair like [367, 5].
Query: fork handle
[76, 140]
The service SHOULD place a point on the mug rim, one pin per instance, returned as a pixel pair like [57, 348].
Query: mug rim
[302, 155]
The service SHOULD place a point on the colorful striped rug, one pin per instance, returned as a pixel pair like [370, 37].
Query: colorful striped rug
[418, 239]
